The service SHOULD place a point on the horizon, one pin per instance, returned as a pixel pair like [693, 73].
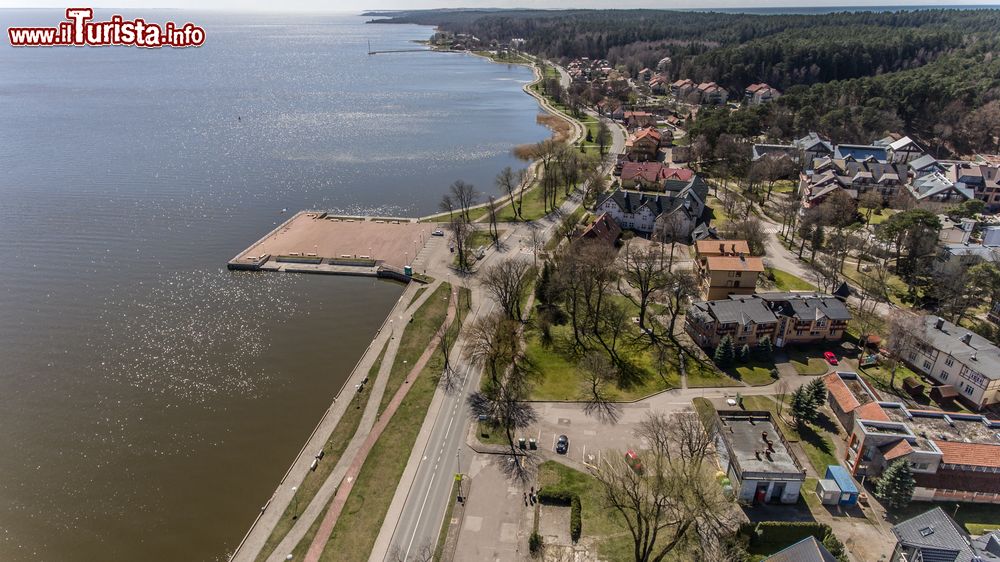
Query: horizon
[320, 6]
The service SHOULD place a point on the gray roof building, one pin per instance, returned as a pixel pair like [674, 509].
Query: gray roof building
[806, 550]
[741, 309]
[807, 306]
[934, 537]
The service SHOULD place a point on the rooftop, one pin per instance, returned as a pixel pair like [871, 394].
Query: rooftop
[973, 350]
[934, 530]
[748, 435]
[734, 263]
[721, 247]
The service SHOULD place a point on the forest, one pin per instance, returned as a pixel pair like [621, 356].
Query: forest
[852, 76]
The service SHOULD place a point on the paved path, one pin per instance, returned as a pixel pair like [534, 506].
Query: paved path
[337, 505]
[397, 324]
[281, 498]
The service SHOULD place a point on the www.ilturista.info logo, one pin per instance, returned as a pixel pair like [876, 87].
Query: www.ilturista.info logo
[79, 31]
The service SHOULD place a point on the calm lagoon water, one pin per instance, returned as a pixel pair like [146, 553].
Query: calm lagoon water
[150, 400]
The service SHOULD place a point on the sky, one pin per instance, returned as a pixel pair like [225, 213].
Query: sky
[360, 5]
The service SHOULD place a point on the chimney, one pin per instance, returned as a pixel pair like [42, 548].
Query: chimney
[770, 446]
[763, 435]
[939, 324]
[757, 454]
[768, 455]
[722, 248]
[967, 338]
[734, 248]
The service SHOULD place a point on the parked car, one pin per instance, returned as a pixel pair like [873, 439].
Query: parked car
[632, 459]
[830, 357]
[562, 444]
[437, 233]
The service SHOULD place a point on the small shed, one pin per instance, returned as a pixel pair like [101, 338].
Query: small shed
[848, 490]
[943, 393]
[913, 387]
[828, 491]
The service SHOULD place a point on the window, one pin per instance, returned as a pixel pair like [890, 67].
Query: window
[950, 361]
[943, 376]
[927, 365]
[913, 355]
[918, 465]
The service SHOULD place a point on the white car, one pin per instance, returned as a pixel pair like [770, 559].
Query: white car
[437, 233]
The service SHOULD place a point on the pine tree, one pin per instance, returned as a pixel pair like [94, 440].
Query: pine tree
[764, 347]
[817, 392]
[745, 353]
[724, 354]
[802, 406]
[896, 485]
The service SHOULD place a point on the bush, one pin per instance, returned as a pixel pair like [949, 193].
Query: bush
[772, 536]
[575, 518]
[535, 543]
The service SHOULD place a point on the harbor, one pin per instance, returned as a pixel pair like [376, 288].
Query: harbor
[320, 242]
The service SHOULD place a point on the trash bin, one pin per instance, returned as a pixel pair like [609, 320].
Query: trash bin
[408, 270]
[520, 442]
[532, 444]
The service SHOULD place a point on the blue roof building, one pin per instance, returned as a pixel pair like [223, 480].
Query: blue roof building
[848, 490]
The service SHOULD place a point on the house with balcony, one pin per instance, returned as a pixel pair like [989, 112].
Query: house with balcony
[756, 94]
[676, 209]
[733, 271]
[786, 318]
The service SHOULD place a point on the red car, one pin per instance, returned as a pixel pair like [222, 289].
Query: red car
[633, 461]
[830, 357]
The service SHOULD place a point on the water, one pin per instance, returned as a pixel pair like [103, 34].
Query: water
[151, 400]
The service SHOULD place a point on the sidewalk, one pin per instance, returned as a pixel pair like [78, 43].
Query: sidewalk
[337, 505]
[318, 503]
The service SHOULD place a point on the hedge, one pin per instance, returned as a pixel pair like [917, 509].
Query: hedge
[771, 536]
[555, 496]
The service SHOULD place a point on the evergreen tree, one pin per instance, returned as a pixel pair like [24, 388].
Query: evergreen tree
[817, 392]
[803, 406]
[896, 485]
[764, 347]
[724, 354]
[745, 353]
[836, 548]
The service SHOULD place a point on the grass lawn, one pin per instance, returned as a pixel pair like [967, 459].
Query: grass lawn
[897, 288]
[880, 376]
[879, 218]
[808, 493]
[357, 528]
[784, 281]
[415, 338]
[474, 214]
[704, 374]
[416, 296]
[977, 518]
[753, 372]
[604, 525]
[807, 362]
[819, 448]
[719, 216]
[334, 448]
[533, 208]
[482, 237]
[560, 379]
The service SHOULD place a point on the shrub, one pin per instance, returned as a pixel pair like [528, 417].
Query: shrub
[555, 496]
[535, 543]
[745, 353]
[575, 518]
[724, 354]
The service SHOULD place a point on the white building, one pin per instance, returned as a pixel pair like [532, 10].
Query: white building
[958, 357]
[756, 458]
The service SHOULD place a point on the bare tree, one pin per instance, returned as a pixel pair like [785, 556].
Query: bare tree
[465, 196]
[494, 231]
[644, 270]
[905, 329]
[671, 228]
[447, 205]
[509, 182]
[603, 137]
[422, 554]
[681, 287]
[460, 231]
[870, 201]
[505, 281]
[598, 375]
[674, 495]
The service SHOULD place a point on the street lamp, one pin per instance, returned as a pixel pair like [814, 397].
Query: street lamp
[295, 506]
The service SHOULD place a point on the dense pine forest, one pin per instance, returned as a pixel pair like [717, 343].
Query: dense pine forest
[934, 74]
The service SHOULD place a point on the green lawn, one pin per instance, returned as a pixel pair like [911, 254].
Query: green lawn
[807, 361]
[808, 493]
[334, 448]
[482, 237]
[415, 338]
[560, 379]
[361, 519]
[784, 281]
[704, 374]
[474, 214]
[977, 518]
[753, 372]
[532, 207]
[879, 218]
[603, 525]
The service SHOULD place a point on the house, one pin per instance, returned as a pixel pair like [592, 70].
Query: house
[756, 458]
[603, 229]
[933, 536]
[959, 232]
[953, 456]
[786, 318]
[959, 256]
[643, 145]
[958, 357]
[984, 179]
[712, 93]
[650, 176]
[659, 84]
[806, 550]
[926, 164]
[679, 207]
[904, 150]
[860, 152]
[934, 191]
[727, 268]
[827, 175]
[774, 151]
[638, 119]
[681, 89]
[756, 94]
[804, 150]
[645, 74]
